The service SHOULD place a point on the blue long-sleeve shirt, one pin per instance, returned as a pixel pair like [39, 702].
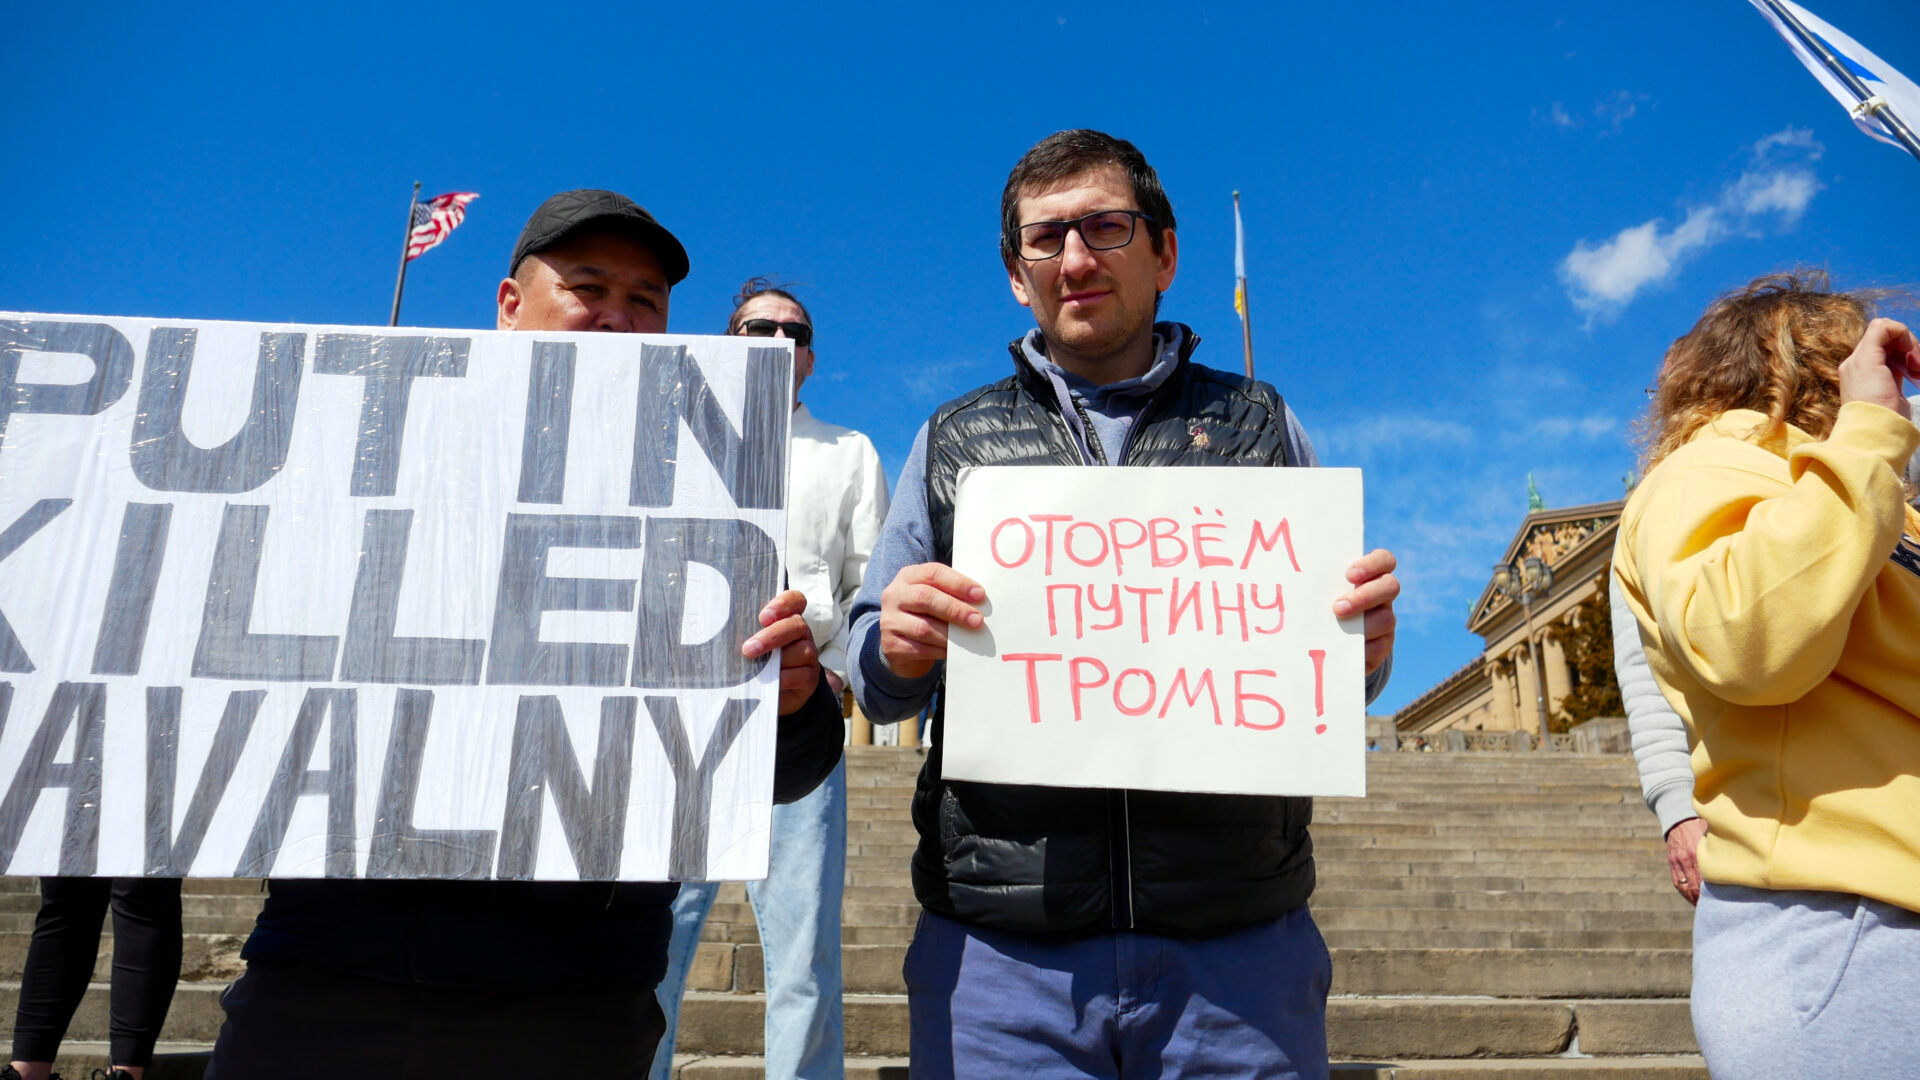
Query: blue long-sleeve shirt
[907, 537]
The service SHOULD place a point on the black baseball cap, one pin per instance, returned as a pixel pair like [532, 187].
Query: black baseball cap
[568, 212]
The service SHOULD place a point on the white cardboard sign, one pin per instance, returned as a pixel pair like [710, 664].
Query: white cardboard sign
[1159, 629]
[303, 601]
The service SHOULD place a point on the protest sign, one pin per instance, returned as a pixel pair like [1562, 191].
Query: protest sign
[303, 601]
[1160, 629]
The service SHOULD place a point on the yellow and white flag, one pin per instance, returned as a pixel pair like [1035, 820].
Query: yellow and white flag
[1239, 261]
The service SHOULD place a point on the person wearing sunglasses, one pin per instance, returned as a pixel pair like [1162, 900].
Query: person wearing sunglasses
[836, 504]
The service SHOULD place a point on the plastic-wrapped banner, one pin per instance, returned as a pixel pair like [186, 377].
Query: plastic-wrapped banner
[304, 601]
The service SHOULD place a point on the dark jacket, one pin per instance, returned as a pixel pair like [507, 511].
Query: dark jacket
[1064, 860]
[512, 935]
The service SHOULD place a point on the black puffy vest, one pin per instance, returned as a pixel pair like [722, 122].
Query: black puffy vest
[1047, 860]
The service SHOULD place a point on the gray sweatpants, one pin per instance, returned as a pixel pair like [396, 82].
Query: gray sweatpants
[1813, 985]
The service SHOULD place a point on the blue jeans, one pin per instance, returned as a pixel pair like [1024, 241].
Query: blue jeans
[1796, 985]
[1125, 1005]
[797, 908]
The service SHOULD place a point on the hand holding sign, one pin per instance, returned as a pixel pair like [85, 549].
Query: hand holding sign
[786, 629]
[1375, 589]
[915, 611]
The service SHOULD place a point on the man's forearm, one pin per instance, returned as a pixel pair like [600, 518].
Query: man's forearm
[808, 746]
[1377, 680]
[883, 696]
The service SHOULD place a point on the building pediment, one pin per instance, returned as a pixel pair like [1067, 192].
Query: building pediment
[1560, 538]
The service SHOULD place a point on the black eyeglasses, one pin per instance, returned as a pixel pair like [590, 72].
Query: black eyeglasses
[1102, 230]
[798, 332]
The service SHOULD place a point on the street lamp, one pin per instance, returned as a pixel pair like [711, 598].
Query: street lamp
[1526, 582]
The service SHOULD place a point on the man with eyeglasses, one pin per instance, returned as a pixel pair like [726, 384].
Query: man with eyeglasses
[440, 978]
[1073, 932]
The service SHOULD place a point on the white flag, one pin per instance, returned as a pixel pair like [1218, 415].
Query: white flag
[1880, 78]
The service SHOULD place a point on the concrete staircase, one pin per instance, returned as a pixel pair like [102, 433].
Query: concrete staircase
[1490, 916]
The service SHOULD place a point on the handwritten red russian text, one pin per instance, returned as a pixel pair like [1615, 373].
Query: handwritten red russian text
[1166, 542]
[1090, 684]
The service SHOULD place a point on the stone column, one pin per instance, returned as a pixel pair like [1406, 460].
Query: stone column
[860, 730]
[1529, 704]
[1559, 682]
[909, 731]
[1504, 717]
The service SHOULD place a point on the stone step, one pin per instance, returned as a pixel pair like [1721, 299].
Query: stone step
[1467, 810]
[1541, 973]
[187, 1061]
[1508, 939]
[194, 1017]
[1436, 938]
[1565, 860]
[1564, 844]
[1598, 872]
[1364, 910]
[189, 923]
[1357, 1027]
[1391, 784]
[1337, 876]
[1337, 879]
[1673, 1067]
[202, 956]
[1660, 1067]
[1395, 783]
[892, 870]
[1426, 919]
[1466, 899]
[1567, 912]
[171, 1060]
[1641, 826]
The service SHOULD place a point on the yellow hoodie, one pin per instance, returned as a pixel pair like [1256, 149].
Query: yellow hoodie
[1780, 608]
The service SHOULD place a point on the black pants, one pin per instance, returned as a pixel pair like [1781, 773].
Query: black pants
[66, 940]
[289, 1023]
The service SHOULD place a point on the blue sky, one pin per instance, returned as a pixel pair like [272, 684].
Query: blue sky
[1472, 229]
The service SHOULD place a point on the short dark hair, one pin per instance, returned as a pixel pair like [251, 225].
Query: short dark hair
[757, 286]
[1064, 155]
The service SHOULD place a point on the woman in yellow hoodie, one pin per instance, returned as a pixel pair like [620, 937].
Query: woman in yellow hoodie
[1769, 559]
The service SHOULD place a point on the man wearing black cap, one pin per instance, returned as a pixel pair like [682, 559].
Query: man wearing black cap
[591, 260]
[440, 978]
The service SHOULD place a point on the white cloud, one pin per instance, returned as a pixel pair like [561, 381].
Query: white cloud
[1360, 439]
[1617, 108]
[1786, 193]
[1593, 426]
[1798, 138]
[1778, 184]
[1610, 273]
[1557, 115]
[934, 381]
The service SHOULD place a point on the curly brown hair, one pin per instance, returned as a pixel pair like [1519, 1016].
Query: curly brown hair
[1773, 346]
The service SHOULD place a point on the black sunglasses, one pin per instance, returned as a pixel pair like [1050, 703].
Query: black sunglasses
[798, 332]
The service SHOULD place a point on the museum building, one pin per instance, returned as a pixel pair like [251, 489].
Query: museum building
[1556, 561]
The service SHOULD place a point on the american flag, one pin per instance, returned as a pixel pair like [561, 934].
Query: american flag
[435, 218]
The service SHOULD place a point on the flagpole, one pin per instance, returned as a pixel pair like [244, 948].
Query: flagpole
[1881, 112]
[400, 283]
[1246, 304]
